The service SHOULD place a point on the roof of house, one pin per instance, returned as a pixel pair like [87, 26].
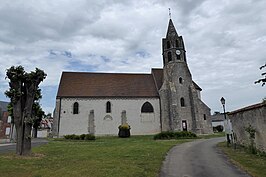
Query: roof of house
[87, 84]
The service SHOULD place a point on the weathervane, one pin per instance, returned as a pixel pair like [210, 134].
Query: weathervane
[169, 13]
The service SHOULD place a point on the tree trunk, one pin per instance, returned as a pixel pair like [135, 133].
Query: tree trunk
[27, 139]
[34, 132]
[19, 135]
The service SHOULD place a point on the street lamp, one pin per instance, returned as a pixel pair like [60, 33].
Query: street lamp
[227, 131]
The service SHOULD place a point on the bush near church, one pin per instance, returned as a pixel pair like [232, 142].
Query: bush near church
[80, 137]
[174, 135]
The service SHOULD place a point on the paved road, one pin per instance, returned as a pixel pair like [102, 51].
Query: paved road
[199, 158]
[11, 147]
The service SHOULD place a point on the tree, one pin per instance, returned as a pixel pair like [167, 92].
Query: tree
[263, 80]
[22, 93]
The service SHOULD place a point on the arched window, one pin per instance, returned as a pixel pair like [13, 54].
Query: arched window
[182, 102]
[108, 107]
[180, 80]
[147, 108]
[168, 45]
[75, 108]
[169, 54]
[176, 43]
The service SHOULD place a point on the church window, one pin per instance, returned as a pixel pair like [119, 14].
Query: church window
[169, 56]
[180, 80]
[204, 116]
[176, 43]
[168, 45]
[108, 107]
[182, 102]
[178, 57]
[76, 108]
[147, 108]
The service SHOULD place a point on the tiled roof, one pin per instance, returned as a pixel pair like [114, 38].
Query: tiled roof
[82, 84]
[86, 84]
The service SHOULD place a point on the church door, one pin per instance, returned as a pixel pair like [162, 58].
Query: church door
[184, 125]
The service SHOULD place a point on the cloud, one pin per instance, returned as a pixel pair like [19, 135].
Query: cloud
[224, 41]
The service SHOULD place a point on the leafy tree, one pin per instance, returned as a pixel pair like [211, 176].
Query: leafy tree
[263, 80]
[22, 93]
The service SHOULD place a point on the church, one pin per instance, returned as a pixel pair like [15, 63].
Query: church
[166, 99]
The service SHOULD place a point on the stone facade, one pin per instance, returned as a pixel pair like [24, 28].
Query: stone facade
[92, 117]
[181, 107]
[255, 116]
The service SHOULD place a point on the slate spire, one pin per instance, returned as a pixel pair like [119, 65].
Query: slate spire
[171, 31]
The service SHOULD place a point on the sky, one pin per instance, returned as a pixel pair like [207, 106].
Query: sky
[225, 42]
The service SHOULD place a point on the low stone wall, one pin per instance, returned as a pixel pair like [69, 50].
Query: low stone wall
[254, 115]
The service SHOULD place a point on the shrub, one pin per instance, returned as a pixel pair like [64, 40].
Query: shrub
[124, 127]
[174, 135]
[76, 137]
[89, 137]
[71, 137]
[80, 137]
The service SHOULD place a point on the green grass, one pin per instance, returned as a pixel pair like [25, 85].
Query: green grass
[252, 163]
[107, 156]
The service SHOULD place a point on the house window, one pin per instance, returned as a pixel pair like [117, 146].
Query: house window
[169, 54]
[108, 107]
[76, 108]
[180, 80]
[147, 108]
[168, 44]
[182, 102]
[204, 116]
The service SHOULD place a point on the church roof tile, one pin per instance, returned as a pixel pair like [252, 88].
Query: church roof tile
[84, 84]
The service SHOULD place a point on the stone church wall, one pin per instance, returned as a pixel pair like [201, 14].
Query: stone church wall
[255, 116]
[93, 111]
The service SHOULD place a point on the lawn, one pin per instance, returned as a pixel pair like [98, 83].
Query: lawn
[107, 156]
[252, 163]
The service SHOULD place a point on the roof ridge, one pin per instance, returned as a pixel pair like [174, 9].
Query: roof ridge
[74, 72]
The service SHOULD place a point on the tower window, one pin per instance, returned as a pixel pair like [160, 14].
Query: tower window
[108, 107]
[204, 116]
[176, 43]
[180, 80]
[147, 108]
[178, 57]
[168, 45]
[169, 54]
[182, 102]
[75, 108]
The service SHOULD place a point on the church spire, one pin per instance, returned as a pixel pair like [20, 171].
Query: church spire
[171, 32]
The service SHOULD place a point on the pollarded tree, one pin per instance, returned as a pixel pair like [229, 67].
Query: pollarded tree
[263, 80]
[22, 92]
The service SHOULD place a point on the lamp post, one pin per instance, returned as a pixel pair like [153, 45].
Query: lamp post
[227, 129]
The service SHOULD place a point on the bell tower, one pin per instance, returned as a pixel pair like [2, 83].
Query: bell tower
[176, 94]
[173, 46]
